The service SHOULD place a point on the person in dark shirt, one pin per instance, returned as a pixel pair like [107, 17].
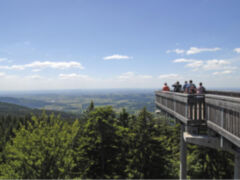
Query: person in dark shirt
[177, 87]
[201, 89]
[185, 87]
[191, 88]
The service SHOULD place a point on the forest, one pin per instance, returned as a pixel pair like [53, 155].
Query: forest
[102, 143]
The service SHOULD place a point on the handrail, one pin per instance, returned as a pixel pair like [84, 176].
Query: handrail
[187, 105]
[222, 113]
[224, 93]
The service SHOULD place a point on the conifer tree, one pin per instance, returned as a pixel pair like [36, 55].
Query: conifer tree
[124, 118]
[207, 163]
[91, 106]
[98, 149]
[40, 150]
[146, 151]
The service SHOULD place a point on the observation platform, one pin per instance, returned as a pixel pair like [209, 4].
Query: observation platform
[211, 120]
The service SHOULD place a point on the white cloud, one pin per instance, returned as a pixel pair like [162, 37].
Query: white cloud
[145, 76]
[183, 60]
[73, 76]
[133, 76]
[178, 51]
[237, 50]
[223, 72]
[54, 65]
[2, 74]
[191, 63]
[35, 77]
[216, 64]
[169, 76]
[195, 64]
[195, 50]
[3, 59]
[116, 57]
[213, 64]
[45, 64]
[13, 67]
[36, 70]
[72, 81]
[127, 75]
[128, 80]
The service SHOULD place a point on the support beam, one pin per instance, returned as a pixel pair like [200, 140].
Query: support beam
[183, 155]
[209, 141]
[237, 166]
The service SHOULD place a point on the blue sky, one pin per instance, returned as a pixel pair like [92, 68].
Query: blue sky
[71, 44]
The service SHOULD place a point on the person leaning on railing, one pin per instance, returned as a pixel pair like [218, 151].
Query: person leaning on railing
[177, 87]
[185, 86]
[165, 87]
[201, 89]
[191, 88]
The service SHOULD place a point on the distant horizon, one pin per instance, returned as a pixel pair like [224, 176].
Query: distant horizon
[102, 90]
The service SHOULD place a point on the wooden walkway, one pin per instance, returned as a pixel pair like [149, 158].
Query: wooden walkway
[217, 111]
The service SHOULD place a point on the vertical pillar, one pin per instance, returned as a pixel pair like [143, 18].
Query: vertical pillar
[183, 155]
[237, 166]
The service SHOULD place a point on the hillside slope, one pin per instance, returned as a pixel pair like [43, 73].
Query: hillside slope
[30, 103]
[20, 111]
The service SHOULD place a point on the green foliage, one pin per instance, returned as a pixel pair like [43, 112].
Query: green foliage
[42, 149]
[148, 153]
[102, 144]
[98, 146]
[205, 162]
[124, 118]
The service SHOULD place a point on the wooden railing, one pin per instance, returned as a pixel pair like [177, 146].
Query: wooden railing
[185, 107]
[224, 93]
[222, 113]
[196, 107]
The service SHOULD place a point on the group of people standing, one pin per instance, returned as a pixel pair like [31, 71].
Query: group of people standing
[188, 87]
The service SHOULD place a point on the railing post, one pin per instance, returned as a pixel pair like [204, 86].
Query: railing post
[183, 155]
[237, 166]
[186, 109]
[200, 101]
[190, 107]
[200, 110]
[174, 103]
[195, 101]
[222, 118]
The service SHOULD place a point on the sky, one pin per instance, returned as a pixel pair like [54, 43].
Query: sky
[97, 44]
